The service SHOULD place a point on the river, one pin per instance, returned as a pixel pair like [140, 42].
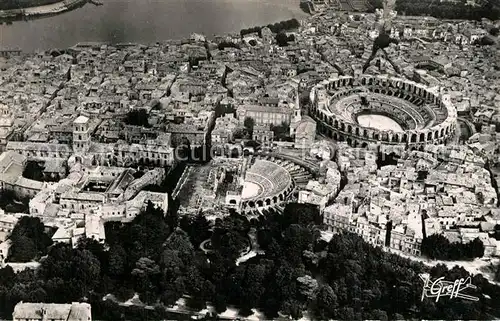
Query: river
[144, 21]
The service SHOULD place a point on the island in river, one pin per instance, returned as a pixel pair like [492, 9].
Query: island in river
[45, 9]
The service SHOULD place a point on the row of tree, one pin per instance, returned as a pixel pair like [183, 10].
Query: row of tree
[439, 247]
[445, 9]
[221, 110]
[275, 28]
[249, 124]
[450, 10]
[29, 240]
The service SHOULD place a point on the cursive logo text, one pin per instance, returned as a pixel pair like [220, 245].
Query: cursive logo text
[441, 288]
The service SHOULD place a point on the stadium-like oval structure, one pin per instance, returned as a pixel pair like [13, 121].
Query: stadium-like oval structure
[271, 182]
[422, 115]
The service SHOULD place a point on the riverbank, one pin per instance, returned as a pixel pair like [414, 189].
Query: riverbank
[21, 4]
[40, 11]
[139, 23]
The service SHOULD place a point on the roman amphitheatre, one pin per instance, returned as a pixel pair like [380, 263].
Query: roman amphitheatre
[382, 110]
[258, 182]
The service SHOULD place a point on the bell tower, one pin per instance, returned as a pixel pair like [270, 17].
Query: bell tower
[6, 123]
[5, 116]
[81, 135]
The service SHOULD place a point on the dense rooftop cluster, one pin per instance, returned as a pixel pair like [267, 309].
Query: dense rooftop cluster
[105, 127]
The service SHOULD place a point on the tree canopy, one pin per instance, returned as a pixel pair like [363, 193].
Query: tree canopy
[450, 10]
[275, 28]
[137, 117]
[29, 240]
[437, 246]
[295, 271]
[249, 123]
[281, 131]
[282, 39]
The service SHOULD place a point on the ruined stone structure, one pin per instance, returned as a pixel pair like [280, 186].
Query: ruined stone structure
[274, 178]
[273, 181]
[425, 116]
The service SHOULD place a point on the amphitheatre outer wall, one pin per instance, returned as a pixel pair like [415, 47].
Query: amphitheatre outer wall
[434, 113]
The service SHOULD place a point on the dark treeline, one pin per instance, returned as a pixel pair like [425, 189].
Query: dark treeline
[158, 257]
[439, 247]
[446, 10]
[275, 28]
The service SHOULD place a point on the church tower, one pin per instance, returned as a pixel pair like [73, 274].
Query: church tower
[6, 125]
[5, 116]
[81, 135]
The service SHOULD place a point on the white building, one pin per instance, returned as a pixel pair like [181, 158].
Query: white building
[52, 311]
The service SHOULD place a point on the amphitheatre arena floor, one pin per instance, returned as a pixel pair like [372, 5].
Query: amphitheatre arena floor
[379, 122]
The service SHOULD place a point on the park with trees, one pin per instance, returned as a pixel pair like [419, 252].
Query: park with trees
[158, 257]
